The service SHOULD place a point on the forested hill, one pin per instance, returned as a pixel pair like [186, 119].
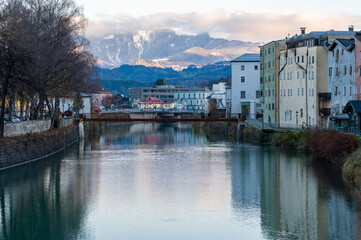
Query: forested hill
[119, 80]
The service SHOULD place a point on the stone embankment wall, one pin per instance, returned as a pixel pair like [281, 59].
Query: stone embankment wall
[20, 128]
[35, 126]
[27, 148]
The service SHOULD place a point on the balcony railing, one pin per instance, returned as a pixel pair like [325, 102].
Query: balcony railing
[324, 96]
[325, 111]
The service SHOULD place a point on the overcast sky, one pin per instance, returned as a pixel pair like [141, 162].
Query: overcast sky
[258, 21]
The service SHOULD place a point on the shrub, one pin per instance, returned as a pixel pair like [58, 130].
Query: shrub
[286, 139]
[352, 169]
[331, 145]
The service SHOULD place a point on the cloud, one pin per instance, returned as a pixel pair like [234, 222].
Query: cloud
[245, 26]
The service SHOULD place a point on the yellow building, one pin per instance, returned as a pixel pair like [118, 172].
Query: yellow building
[303, 94]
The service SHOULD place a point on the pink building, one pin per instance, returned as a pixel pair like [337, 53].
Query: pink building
[98, 95]
[358, 66]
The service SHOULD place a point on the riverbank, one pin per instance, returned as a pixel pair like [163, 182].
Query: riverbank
[340, 150]
[27, 148]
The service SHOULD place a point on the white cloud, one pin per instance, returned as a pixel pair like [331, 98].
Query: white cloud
[245, 26]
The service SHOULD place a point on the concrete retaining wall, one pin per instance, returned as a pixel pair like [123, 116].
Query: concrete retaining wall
[20, 128]
[23, 149]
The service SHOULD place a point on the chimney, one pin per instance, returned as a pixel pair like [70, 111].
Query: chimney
[303, 30]
[350, 28]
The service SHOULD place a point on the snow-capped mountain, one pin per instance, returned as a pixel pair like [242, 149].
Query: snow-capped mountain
[165, 48]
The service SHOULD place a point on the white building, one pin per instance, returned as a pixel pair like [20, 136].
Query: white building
[246, 86]
[219, 93]
[193, 101]
[68, 103]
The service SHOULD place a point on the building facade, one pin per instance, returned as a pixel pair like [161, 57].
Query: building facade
[358, 66]
[341, 74]
[304, 96]
[195, 100]
[246, 91]
[269, 80]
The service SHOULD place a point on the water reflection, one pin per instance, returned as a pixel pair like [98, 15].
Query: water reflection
[164, 181]
[48, 199]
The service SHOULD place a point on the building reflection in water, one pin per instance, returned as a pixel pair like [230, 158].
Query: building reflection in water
[48, 199]
[293, 203]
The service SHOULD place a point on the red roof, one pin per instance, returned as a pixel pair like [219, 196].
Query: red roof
[151, 100]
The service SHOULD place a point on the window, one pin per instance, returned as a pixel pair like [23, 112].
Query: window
[336, 90]
[273, 106]
[344, 70]
[273, 92]
[290, 75]
[284, 75]
[303, 91]
[243, 78]
[298, 92]
[298, 59]
[284, 92]
[350, 90]
[313, 92]
[243, 94]
[290, 115]
[298, 75]
[273, 78]
[303, 74]
[344, 91]
[281, 92]
[285, 116]
[303, 58]
[350, 70]
[258, 94]
[273, 63]
[342, 51]
[313, 59]
[337, 54]
[269, 92]
[261, 80]
[360, 71]
[242, 67]
[269, 64]
[330, 71]
[255, 67]
[336, 71]
[269, 106]
[301, 113]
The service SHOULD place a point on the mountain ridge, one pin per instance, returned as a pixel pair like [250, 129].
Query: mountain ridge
[165, 48]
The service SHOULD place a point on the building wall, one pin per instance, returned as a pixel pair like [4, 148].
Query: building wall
[166, 94]
[250, 85]
[219, 93]
[300, 83]
[358, 68]
[341, 81]
[270, 80]
[196, 100]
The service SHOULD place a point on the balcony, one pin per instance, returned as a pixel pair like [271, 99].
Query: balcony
[325, 111]
[324, 96]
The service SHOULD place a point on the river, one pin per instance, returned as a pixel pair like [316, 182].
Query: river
[165, 181]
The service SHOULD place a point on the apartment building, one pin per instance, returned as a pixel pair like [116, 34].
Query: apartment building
[269, 80]
[341, 75]
[304, 95]
[246, 91]
[358, 66]
[195, 100]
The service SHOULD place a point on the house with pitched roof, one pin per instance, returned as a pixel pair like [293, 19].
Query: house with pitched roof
[246, 91]
[154, 103]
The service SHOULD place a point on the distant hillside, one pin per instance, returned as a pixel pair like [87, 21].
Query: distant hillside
[165, 48]
[119, 80]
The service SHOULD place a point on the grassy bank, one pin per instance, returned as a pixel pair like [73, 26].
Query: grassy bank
[339, 149]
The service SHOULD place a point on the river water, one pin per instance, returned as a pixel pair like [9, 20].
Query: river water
[164, 181]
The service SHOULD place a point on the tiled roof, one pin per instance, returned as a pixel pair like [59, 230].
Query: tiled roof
[356, 105]
[348, 44]
[151, 100]
[248, 57]
[318, 35]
